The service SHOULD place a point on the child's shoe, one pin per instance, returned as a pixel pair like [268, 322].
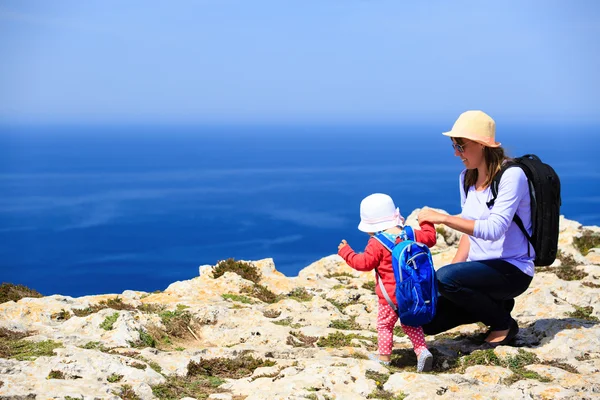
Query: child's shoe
[424, 361]
[375, 357]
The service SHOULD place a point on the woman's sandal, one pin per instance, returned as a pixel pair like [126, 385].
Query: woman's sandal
[510, 336]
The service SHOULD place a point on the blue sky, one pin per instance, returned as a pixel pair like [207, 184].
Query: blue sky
[297, 61]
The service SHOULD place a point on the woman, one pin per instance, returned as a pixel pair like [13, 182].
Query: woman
[494, 262]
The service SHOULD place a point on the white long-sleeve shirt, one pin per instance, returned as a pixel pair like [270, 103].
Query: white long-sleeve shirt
[496, 236]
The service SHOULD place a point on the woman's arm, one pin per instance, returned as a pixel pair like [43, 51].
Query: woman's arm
[512, 188]
[463, 250]
[460, 224]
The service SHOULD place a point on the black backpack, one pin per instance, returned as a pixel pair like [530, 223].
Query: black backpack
[544, 192]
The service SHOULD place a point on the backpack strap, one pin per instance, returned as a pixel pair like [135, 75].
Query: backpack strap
[494, 186]
[385, 241]
[407, 233]
[384, 292]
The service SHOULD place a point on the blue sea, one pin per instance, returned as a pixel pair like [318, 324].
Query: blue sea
[101, 209]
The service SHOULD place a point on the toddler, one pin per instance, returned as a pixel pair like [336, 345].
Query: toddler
[379, 214]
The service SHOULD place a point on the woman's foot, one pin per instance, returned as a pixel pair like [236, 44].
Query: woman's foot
[424, 361]
[502, 337]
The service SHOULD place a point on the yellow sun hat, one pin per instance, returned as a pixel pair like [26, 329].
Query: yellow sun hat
[477, 126]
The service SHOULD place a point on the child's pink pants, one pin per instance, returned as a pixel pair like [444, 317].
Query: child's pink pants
[386, 319]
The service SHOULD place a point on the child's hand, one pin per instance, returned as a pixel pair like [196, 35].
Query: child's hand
[342, 244]
[429, 215]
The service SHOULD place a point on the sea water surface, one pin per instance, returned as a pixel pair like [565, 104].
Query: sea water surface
[102, 209]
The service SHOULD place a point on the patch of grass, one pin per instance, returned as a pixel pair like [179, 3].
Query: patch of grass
[339, 339]
[379, 378]
[338, 305]
[297, 339]
[62, 315]
[481, 357]
[233, 368]
[340, 275]
[11, 292]
[313, 396]
[525, 374]
[114, 378]
[561, 365]
[179, 348]
[272, 313]
[385, 395]
[153, 336]
[300, 294]
[271, 375]
[237, 297]
[262, 293]
[116, 303]
[154, 365]
[584, 313]
[337, 287]
[152, 308]
[55, 374]
[369, 285]
[84, 312]
[283, 322]
[591, 285]
[245, 270]
[7, 334]
[516, 363]
[177, 322]
[146, 339]
[73, 398]
[109, 321]
[94, 346]
[345, 324]
[138, 365]
[567, 271]
[127, 393]
[358, 356]
[177, 387]
[521, 359]
[25, 350]
[587, 241]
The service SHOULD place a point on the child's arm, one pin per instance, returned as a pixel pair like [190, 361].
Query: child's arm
[366, 261]
[426, 234]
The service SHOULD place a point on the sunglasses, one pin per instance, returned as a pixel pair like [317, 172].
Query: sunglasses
[458, 147]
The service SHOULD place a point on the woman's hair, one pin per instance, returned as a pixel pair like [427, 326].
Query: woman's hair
[494, 157]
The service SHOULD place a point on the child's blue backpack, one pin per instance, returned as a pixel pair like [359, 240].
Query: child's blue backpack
[416, 284]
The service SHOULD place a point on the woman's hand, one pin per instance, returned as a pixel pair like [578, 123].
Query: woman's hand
[429, 215]
[342, 244]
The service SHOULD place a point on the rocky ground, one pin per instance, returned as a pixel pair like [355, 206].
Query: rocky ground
[245, 331]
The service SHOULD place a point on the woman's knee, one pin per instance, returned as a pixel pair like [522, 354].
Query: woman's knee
[448, 278]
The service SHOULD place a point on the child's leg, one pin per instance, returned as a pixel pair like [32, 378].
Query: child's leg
[416, 336]
[386, 319]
